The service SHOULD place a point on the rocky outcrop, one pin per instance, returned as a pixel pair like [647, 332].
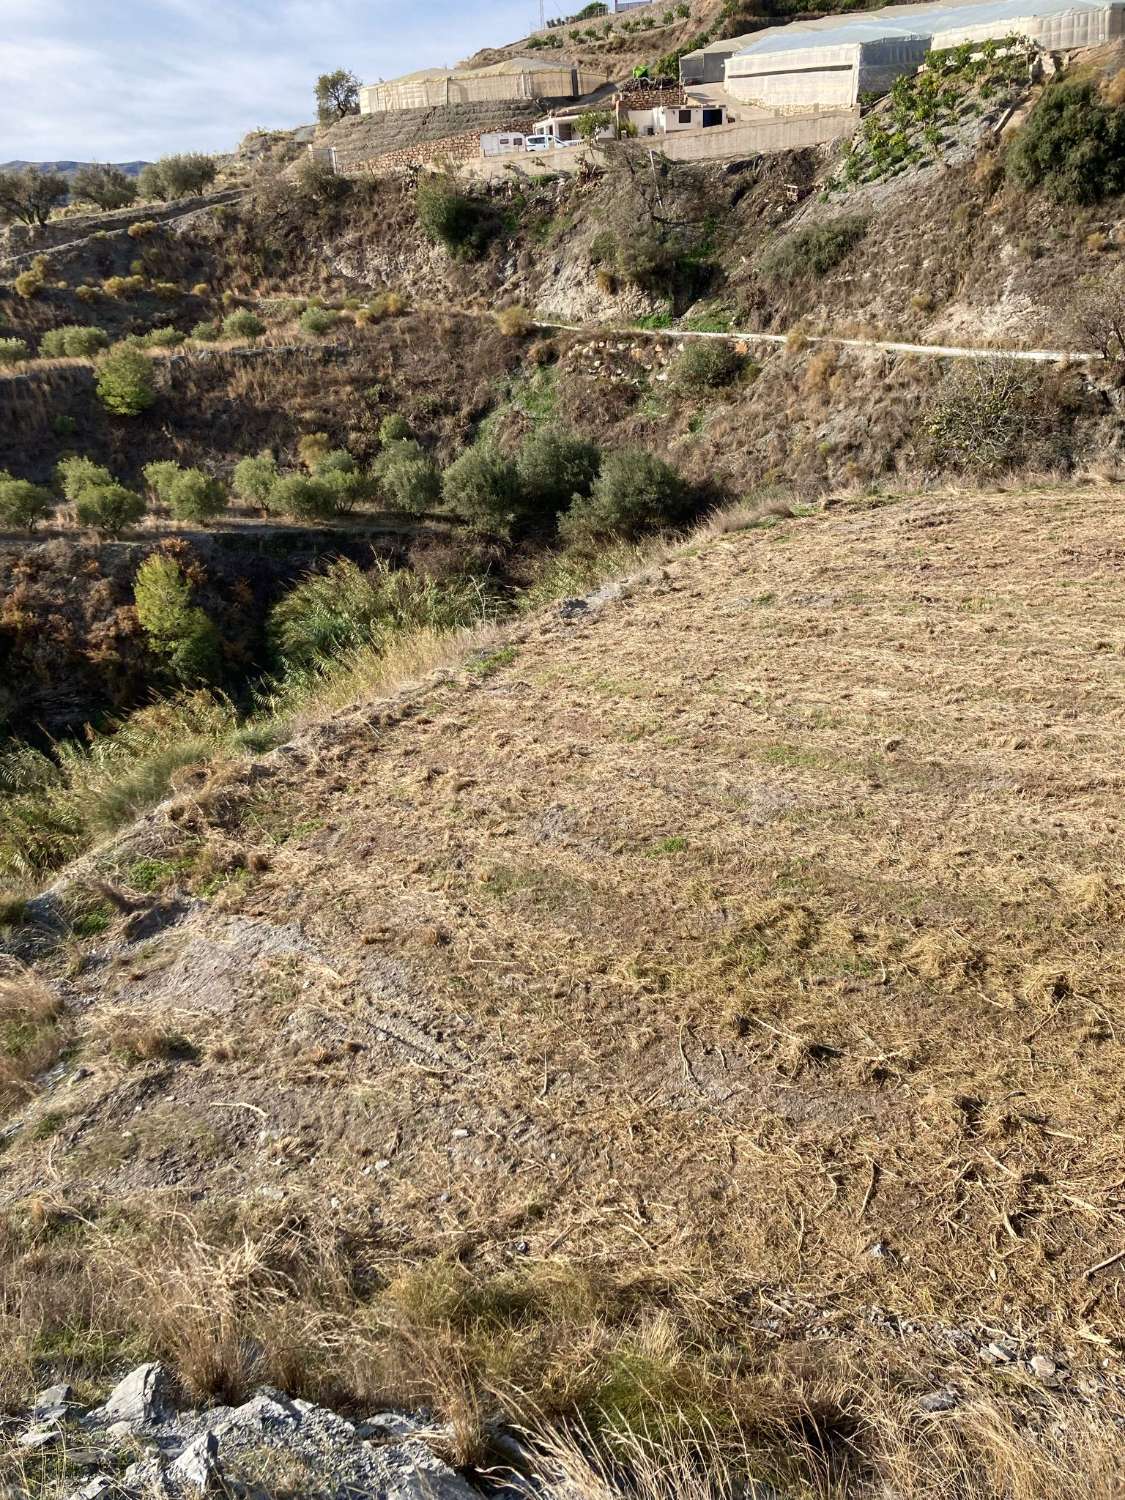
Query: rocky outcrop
[269, 1443]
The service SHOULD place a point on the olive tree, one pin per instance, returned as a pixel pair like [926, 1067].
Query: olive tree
[29, 196]
[337, 95]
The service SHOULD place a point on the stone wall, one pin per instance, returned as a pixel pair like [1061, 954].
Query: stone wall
[360, 139]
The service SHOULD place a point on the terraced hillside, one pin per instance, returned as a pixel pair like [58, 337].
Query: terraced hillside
[701, 1003]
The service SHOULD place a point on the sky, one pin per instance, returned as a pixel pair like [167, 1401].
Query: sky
[126, 80]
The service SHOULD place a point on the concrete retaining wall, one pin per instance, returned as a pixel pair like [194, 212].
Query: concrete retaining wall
[728, 142]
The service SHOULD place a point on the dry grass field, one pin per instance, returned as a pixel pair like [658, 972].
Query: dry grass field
[703, 1006]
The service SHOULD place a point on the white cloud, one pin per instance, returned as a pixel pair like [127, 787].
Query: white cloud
[99, 79]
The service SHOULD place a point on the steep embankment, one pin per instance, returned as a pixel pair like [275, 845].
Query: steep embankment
[748, 936]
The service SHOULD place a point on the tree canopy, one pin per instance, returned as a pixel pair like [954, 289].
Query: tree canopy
[337, 95]
[29, 196]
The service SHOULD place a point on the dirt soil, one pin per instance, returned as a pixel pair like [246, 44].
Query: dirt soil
[763, 915]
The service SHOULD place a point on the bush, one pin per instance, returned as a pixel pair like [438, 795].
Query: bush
[707, 364]
[162, 338]
[122, 286]
[243, 325]
[29, 283]
[22, 504]
[175, 628]
[554, 467]
[142, 229]
[408, 477]
[87, 293]
[76, 475]
[167, 290]
[125, 384]
[345, 609]
[160, 476]
[307, 499]
[393, 428]
[988, 416]
[514, 322]
[635, 492]
[13, 352]
[74, 341]
[813, 251]
[344, 477]
[196, 496]
[110, 508]
[318, 320]
[177, 176]
[483, 487]
[450, 218]
[207, 332]
[1073, 146]
[254, 478]
[200, 289]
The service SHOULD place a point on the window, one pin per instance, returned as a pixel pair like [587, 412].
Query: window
[712, 117]
[685, 116]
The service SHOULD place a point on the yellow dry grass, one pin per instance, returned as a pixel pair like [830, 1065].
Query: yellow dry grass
[746, 952]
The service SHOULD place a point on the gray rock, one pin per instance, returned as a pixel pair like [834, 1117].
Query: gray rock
[939, 1401]
[1042, 1367]
[41, 1436]
[197, 1470]
[391, 1427]
[53, 1402]
[141, 1397]
[260, 1416]
[94, 1489]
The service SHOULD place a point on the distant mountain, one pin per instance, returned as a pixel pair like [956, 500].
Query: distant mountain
[68, 168]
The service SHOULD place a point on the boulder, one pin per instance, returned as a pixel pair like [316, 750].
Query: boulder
[197, 1470]
[140, 1398]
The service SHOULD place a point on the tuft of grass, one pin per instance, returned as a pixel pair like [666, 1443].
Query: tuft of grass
[33, 1035]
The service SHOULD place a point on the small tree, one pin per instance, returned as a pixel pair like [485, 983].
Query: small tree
[306, 499]
[22, 504]
[592, 122]
[408, 477]
[177, 176]
[554, 467]
[175, 628]
[707, 364]
[254, 478]
[451, 218]
[125, 384]
[1098, 319]
[635, 492]
[107, 187]
[484, 487]
[110, 508]
[76, 475]
[196, 496]
[29, 196]
[243, 324]
[337, 95]
[74, 341]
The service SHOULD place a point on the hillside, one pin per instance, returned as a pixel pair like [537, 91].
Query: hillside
[69, 168]
[709, 985]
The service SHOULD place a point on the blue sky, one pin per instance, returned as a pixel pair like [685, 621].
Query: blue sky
[117, 80]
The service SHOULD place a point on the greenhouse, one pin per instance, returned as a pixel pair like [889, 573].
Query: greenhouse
[832, 62]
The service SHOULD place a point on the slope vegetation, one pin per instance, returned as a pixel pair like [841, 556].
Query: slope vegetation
[720, 969]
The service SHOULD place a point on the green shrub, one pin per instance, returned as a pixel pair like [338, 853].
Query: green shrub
[243, 324]
[553, 468]
[22, 504]
[125, 384]
[345, 609]
[76, 475]
[176, 629]
[162, 338]
[208, 332]
[177, 176]
[707, 364]
[13, 352]
[254, 478]
[196, 496]
[305, 498]
[122, 286]
[1073, 146]
[813, 251]
[73, 341]
[160, 476]
[635, 492]
[393, 428]
[409, 478]
[142, 229]
[451, 218]
[483, 487]
[318, 320]
[349, 487]
[335, 461]
[110, 508]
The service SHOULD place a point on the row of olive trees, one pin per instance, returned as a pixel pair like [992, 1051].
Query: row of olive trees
[30, 196]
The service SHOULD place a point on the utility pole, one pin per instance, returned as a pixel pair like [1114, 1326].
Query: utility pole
[542, 15]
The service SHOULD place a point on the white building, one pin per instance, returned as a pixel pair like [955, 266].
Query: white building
[830, 63]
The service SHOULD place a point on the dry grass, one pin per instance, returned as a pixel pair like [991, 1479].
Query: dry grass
[32, 1035]
[614, 993]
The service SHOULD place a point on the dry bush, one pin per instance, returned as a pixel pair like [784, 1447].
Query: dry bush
[135, 1034]
[819, 372]
[32, 1037]
[514, 322]
[1115, 89]
[1097, 322]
